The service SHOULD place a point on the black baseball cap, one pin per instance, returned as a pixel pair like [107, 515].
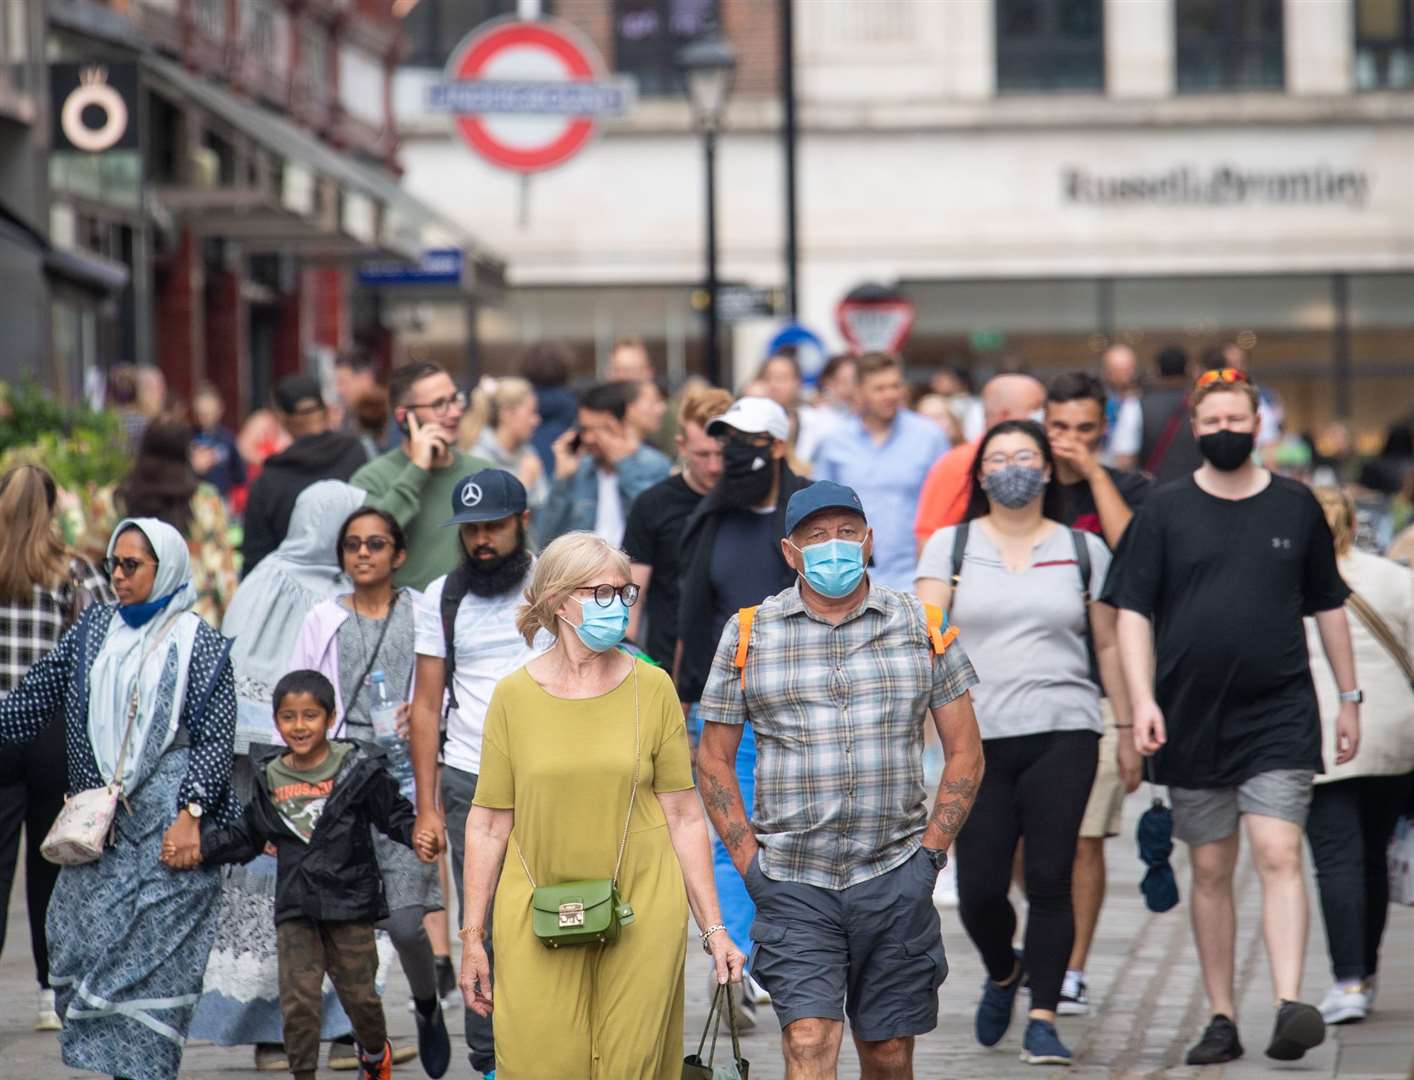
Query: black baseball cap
[821, 495]
[489, 495]
[293, 389]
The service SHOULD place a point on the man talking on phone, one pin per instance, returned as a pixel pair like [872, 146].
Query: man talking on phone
[415, 481]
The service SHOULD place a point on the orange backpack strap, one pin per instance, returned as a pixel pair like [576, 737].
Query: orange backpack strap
[940, 637]
[744, 618]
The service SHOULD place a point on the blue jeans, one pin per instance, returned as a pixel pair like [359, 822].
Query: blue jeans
[737, 909]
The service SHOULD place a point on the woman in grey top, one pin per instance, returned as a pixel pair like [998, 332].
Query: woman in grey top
[363, 643]
[1021, 599]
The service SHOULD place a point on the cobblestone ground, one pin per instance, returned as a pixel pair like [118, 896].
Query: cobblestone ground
[1144, 982]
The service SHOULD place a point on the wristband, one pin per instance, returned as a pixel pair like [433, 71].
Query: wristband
[477, 932]
[715, 928]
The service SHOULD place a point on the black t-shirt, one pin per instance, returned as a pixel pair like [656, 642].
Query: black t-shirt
[653, 536]
[1226, 583]
[747, 565]
[1078, 501]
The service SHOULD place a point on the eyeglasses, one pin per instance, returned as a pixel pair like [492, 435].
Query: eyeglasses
[375, 544]
[604, 594]
[1027, 459]
[1221, 375]
[129, 567]
[442, 405]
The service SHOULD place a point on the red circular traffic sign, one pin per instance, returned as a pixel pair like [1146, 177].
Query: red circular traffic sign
[541, 50]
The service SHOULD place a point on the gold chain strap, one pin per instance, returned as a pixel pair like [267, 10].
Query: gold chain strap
[632, 798]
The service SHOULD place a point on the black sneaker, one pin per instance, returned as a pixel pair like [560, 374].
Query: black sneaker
[1299, 1027]
[1218, 1044]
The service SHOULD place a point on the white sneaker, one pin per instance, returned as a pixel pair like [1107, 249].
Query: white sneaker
[945, 888]
[46, 1018]
[1074, 996]
[1345, 1003]
[757, 992]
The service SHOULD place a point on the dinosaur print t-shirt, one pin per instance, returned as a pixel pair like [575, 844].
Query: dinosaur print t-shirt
[300, 796]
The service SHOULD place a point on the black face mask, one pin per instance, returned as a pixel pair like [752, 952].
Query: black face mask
[498, 575]
[747, 474]
[1227, 450]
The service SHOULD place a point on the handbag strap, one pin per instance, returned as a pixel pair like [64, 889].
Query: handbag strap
[1377, 626]
[372, 658]
[714, 1024]
[134, 699]
[632, 797]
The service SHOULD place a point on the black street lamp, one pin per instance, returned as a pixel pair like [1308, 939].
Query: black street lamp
[708, 66]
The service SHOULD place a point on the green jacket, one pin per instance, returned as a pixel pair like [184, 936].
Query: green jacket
[421, 500]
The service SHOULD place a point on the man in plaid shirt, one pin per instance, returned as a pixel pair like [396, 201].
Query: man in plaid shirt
[837, 677]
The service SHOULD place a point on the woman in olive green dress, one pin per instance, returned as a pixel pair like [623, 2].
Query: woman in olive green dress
[557, 776]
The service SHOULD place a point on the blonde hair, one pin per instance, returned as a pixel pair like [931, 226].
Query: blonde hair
[510, 392]
[569, 562]
[31, 550]
[703, 403]
[1201, 393]
[1340, 516]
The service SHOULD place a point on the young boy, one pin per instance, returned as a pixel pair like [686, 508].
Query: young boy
[315, 802]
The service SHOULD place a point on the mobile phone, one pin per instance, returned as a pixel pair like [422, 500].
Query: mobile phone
[577, 443]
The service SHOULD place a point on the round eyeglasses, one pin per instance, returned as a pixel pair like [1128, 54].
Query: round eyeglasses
[604, 594]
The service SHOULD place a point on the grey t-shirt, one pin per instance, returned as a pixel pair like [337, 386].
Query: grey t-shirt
[1025, 632]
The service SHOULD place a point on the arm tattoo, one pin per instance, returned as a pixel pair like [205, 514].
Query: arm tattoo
[735, 835]
[955, 799]
[725, 809]
[716, 795]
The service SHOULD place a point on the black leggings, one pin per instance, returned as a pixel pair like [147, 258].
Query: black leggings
[1035, 787]
[1349, 827]
[32, 780]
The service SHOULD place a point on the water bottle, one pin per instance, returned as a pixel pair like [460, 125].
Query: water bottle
[384, 714]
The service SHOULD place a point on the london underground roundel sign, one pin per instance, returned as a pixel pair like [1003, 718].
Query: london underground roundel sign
[527, 95]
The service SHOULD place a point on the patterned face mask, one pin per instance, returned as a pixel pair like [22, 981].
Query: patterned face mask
[1015, 485]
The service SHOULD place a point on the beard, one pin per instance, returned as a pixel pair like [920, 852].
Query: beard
[499, 574]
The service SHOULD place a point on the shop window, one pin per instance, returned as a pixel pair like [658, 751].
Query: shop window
[1229, 45]
[1045, 45]
[434, 27]
[648, 35]
[1384, 44]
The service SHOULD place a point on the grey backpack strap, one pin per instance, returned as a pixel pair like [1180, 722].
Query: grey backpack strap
[1082, 560]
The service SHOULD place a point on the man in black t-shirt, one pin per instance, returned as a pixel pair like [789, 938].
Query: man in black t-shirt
[653, 535]
[1097, 499]
[1219, 567]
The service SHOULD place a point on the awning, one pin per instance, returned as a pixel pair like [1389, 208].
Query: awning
[376, 217]
[82, 269]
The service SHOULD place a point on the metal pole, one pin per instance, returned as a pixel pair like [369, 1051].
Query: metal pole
[713, 358]
[788, 138]
[1341, 365]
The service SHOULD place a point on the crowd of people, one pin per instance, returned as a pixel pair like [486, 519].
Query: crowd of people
[599, 661]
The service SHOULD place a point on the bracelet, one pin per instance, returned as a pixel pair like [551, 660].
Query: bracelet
[1123, 727]
[477, 932]
[715, 928]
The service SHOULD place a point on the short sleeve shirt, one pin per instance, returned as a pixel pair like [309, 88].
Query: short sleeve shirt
[1226, 583]
[838, 715]
[1026, 631]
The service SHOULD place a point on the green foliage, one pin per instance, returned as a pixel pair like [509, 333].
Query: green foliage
[75, 443]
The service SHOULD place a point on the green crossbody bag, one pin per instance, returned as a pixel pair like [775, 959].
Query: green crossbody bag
[585, 912]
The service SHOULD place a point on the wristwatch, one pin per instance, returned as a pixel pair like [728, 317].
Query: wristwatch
[1352, 697]
[937, 856]
[195, 810]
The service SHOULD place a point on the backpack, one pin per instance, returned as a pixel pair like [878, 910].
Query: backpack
[940, 633]
[454, 590]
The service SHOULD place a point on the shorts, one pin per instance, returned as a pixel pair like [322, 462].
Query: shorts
[1104, 813]
[1207, 815]
[872, 952]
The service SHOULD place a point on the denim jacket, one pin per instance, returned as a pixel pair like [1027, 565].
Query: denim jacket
[574, 500]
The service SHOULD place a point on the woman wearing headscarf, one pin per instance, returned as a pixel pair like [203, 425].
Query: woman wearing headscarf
[240, 1003]
[128, 939]
[44, 588]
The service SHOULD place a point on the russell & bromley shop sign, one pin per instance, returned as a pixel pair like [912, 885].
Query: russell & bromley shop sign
[1223, 185]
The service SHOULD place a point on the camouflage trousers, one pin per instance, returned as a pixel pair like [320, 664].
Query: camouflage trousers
[346, 953]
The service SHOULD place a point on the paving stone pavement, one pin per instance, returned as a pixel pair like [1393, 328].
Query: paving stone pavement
[1148, 1005]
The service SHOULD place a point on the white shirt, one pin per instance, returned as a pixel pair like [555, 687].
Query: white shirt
[488, 649]
[609, 522]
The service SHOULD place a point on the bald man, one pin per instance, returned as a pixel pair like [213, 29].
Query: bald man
[943, 500]
[1119, 368]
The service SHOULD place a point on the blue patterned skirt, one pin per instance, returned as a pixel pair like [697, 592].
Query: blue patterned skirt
[128, 942]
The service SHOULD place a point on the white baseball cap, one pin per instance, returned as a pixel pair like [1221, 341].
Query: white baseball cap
[754, 416]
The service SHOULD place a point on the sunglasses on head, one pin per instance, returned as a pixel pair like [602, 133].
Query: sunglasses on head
[1220, 375]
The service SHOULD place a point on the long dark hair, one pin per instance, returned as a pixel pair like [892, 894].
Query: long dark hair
[978, 505]
[161, 482]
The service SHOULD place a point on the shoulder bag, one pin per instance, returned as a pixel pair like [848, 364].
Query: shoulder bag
[1381, 632]
[87, 821]
[585, 912]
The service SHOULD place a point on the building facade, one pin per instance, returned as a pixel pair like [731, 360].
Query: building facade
[1041, 178]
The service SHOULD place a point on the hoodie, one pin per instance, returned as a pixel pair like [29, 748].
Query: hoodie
[327, 456]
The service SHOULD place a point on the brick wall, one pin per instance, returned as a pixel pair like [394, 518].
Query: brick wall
[226, 333]
[328, 286]
[595, 19]
[179, 316]
[753, 27]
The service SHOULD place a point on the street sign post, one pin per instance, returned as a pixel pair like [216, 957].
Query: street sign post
[875, 318]
[528, 95]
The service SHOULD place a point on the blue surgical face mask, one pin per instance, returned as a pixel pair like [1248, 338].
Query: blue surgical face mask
[603, 627]
[833, 568]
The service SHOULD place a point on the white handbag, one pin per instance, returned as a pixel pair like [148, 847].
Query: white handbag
[86, 824]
